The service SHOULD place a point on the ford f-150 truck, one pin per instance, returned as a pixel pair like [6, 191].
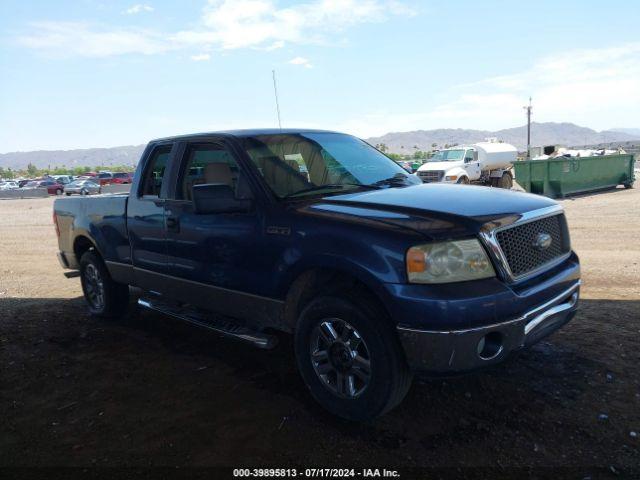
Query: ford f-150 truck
[320, 235]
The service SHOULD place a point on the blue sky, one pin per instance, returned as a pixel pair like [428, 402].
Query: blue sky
[91, 73]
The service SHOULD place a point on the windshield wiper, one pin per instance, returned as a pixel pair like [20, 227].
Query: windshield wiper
[332, 185]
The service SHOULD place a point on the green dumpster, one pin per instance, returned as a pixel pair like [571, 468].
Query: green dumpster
[559, 177]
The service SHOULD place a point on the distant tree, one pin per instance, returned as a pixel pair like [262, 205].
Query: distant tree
[382, 147]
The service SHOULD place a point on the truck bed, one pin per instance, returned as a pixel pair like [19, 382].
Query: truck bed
[101, 217]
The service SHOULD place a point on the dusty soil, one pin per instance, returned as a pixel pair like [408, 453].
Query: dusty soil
[149, 391]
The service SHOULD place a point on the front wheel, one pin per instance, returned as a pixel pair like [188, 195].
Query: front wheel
[350, 358]
[58, 192]
[104, 297]
[463, 181]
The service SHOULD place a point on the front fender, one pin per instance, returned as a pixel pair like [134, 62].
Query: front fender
[456, 171]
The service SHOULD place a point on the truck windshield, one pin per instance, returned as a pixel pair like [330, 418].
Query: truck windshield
[310, 163]
[447, 156]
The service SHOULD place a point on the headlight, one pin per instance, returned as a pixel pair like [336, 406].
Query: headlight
[451, 178]
[447, 262]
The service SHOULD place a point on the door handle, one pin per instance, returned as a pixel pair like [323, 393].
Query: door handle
[173, 224]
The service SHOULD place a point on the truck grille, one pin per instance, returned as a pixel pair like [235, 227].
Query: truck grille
[521, 247]
[431, 176]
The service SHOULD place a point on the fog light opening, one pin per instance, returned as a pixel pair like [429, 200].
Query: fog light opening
[490, 346]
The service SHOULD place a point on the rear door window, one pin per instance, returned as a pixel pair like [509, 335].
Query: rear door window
[155, 172]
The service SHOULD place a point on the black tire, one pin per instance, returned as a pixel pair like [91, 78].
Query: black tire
[389, 377]
[59, 191]
[463, 181]
[114, 296]
[84, 192]
[68, 194]
[628, 185]
[506, 181]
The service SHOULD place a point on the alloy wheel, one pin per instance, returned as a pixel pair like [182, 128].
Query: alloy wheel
[340, 358]
[94, 286]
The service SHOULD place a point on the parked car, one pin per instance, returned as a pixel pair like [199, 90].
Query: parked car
[9, 185]
[122, 177]
[105, 178]
[63, 179]
[82, 187]
[375, 274]
[53, 187]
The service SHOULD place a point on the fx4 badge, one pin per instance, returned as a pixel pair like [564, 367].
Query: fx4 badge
[274, 230]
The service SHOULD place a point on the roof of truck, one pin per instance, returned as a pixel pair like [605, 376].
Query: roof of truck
[252, 132]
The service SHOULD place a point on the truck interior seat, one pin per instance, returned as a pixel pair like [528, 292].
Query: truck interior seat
[218, 173]
[283, 176]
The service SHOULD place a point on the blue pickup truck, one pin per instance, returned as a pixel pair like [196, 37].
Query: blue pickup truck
[320, 235]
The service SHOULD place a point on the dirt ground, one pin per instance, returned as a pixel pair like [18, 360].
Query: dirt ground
[150, 391]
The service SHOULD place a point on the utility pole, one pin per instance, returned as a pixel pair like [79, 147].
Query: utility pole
[528, 109]
[275, 91]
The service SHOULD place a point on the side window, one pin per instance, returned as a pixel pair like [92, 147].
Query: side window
[205, 164]
[468, 157]
[154, 174]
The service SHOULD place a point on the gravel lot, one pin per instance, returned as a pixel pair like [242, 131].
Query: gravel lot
[75, 391]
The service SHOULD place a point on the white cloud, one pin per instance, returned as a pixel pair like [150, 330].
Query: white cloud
[304, 62]
[235, 24]
[598, 88]
[138, 8]
[201, 57]
[66, 39]
[225, 24]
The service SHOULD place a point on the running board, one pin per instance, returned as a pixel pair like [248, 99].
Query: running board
[226, 328]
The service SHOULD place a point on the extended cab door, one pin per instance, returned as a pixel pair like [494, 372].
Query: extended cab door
[146, 218]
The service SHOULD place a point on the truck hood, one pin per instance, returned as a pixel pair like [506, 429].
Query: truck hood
[430, 166]
[436, 209]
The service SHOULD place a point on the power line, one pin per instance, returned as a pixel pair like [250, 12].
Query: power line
[528, 109]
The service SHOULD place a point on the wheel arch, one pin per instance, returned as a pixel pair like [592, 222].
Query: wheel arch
[316, 280]
[83, 244]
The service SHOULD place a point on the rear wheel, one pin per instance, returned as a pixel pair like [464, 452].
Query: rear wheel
[506, 181]
[104, 297]
[628, 185]
[68, 194]
[59, 191]
[350, 358]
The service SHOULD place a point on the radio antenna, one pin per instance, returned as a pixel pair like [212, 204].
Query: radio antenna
[275, 92]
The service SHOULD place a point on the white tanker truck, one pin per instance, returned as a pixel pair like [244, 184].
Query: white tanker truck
[488, 163]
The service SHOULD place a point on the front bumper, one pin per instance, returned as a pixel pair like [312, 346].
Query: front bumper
[472, 348]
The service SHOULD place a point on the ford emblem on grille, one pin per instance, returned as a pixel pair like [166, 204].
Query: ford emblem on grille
[542, 241]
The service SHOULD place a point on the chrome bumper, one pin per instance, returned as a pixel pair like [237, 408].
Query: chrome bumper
[463, 350]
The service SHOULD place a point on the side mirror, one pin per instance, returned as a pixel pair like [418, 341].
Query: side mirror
[218, 198]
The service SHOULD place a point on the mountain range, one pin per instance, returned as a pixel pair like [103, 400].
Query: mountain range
[547, 133]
